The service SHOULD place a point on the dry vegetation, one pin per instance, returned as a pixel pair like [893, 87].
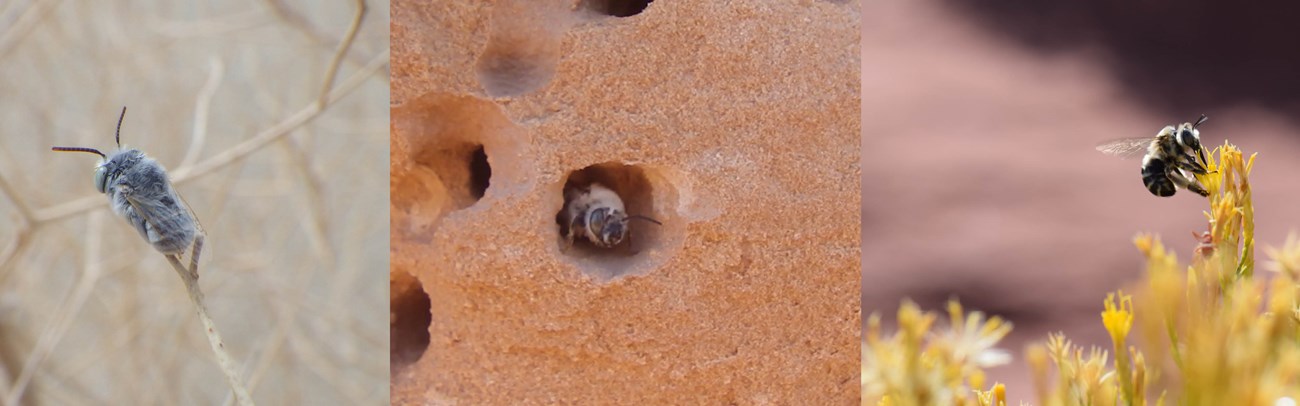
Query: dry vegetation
[273, 126]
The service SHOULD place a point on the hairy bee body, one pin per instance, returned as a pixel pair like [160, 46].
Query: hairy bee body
[139, 191]
[1155, 175]
[1170, 160]
[595, 213]
[138, 188]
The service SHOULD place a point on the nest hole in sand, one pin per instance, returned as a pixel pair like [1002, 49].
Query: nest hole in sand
[643, 193]
[409, 320]
[616, 8]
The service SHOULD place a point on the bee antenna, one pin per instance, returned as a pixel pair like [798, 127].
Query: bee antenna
[1199, 121]
[644, 218]
[80, 149]
[118, 134]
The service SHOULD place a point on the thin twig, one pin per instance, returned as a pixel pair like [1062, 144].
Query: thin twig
[294, 19]
[313, 201]
[274, 133]
[24, 224]
[11, 251]
[13, 197]
[201, 108]
[338, 54]
[233, 154]
[63, 319]
[214, 337]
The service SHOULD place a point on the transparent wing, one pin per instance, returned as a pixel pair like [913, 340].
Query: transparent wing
[186, 204]
[160, 217]
[165, 219]
[1125, 147]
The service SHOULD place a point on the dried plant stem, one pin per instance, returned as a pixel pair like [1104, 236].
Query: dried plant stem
[12, 194]
[24, 225]
[202, 106]
[344, 45]
[64, 315]
[235, 153]
[10, 251]
[189, 276]
[301, 24]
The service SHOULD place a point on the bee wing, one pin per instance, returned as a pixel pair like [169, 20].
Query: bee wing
[186, 204]
[156, 215]
[1125, 147]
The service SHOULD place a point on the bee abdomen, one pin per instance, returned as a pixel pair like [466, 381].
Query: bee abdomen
[173, 242]
[1156, 178]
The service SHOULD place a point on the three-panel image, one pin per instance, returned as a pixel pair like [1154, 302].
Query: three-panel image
[648, 202]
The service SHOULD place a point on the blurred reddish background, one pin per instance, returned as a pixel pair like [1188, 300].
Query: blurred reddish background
[979, 119]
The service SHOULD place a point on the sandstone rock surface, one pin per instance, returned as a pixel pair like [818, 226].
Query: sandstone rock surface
[732, 123]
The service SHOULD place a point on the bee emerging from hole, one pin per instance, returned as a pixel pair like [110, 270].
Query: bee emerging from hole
[596, 213]
[1170, 160]
[138, 190]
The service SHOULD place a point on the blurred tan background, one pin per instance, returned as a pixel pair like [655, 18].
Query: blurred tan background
[979, 123]
[293, 198]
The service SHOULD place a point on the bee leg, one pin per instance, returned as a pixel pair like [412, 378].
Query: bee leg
[1187, 182]
[1198, 168]
[1201, 163]
[195, 249]
[569, 236]
[1189, 163]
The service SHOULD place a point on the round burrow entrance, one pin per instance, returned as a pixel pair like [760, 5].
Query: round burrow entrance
[462, 167]
[409, 320]
[616, 219]
[616, 8]
[444, 160]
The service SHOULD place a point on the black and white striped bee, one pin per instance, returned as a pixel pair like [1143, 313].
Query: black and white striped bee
[139, 191]
[1169, 161]
[595, 213]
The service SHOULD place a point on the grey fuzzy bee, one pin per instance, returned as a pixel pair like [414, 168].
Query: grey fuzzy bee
[596, 213]
[1169, 161]
[138, 190]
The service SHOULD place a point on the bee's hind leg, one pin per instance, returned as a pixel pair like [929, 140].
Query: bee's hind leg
[196, 248]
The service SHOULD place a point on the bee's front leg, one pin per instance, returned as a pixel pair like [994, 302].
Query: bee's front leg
[570, 235]
[1190, 164]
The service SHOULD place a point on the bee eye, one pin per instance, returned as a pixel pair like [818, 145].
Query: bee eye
[101, 174]
[596, 220]
[1188, 138]
[612, 233]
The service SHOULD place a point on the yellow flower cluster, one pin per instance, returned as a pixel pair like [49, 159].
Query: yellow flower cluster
[1081, 379]
[1232, 213]
[1210, 332]
[924, 365]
